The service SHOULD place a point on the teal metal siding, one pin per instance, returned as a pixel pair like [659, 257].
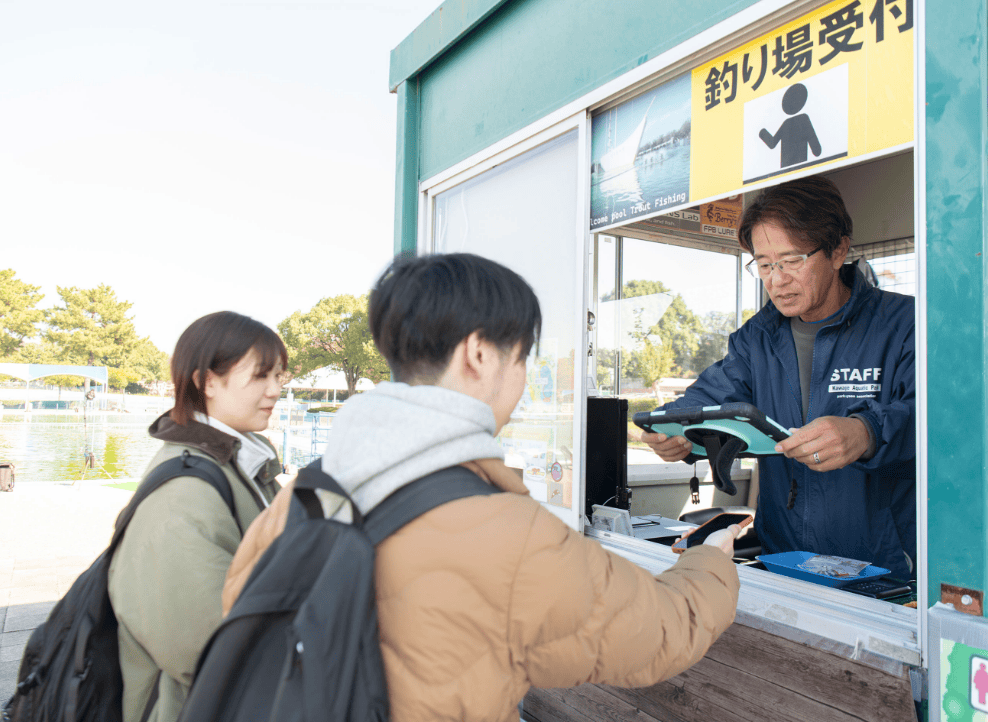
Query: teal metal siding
[489, 68]
[406, 169]
[957, 165]
[436, 34]
[531, 57]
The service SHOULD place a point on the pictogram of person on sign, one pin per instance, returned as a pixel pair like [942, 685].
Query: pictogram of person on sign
[981, 684]
[796, 133]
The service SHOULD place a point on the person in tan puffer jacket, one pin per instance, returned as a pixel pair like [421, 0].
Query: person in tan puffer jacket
[484, 597]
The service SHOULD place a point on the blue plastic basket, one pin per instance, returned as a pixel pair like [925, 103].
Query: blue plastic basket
[785, 563]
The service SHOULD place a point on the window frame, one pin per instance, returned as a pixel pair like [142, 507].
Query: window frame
[497, 155]
[619, 239]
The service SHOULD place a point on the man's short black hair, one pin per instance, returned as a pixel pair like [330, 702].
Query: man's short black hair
[422, 307]
[810, 210]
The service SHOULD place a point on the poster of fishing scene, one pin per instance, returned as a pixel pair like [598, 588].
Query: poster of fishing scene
[640, 156]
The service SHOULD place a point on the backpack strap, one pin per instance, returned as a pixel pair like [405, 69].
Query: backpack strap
[312, 477]
[184, 465]
[402, 506]
[413, 500]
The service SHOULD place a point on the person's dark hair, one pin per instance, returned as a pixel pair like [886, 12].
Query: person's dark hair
[421, 308]
[216, 343]
[810, 210]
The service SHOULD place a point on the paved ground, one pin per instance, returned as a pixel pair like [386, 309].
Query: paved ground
[49, 533]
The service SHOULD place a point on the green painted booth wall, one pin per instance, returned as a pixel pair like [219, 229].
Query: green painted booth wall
[478, 70]
[957, 327]
[530, 58]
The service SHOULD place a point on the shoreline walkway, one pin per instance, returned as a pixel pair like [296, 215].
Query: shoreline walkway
[49, 534]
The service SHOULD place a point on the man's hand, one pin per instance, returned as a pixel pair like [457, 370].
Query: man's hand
[669, 448]
[834, 440]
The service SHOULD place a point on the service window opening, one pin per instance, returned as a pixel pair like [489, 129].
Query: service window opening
[668, 291]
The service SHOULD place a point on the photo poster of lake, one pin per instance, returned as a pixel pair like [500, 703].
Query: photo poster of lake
[640, 156]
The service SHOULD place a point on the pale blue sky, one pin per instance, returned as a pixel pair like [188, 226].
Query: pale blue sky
[199, 156]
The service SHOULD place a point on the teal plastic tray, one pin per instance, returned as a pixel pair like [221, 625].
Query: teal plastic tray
[785, 563]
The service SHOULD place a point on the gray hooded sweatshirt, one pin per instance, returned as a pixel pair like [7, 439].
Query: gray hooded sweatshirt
[386, 438]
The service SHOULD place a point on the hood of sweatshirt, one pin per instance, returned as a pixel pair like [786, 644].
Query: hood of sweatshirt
[395, 434]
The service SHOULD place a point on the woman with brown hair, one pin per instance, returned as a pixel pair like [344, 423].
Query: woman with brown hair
[167, 574]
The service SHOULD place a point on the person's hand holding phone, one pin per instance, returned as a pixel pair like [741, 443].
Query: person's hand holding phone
[720, 531]
[723, 539]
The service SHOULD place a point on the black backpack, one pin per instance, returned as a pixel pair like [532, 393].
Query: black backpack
[70, 671]
[301, 641]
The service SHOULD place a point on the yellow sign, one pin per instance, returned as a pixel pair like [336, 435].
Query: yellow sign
[836, 83]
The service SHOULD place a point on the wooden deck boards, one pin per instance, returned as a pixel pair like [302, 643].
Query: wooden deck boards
[748, 675]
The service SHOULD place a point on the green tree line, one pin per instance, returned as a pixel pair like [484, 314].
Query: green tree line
[681, 344]
[87, 327]
[92, 327]
[334, 333]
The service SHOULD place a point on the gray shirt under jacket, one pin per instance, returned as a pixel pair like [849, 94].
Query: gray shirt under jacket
[804, 336]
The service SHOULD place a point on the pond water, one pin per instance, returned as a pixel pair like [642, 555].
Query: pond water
[53, 447]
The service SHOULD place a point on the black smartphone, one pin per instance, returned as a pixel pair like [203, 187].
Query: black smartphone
[700, 534]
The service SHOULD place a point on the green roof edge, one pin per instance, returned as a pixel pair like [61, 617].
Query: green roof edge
[435, 35]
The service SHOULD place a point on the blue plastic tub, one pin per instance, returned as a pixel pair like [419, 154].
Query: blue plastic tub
[785, 563]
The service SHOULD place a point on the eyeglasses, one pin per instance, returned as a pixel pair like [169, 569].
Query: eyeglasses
[789, 265]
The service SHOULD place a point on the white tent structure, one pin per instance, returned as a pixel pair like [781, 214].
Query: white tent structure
[31, 372]
[327, 379]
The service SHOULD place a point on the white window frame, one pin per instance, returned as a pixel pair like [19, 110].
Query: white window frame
[476, 166]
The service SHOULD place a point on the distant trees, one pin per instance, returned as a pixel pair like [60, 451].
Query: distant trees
[718, 326]
[680, 329]
[19, 315]
[681, 343]
[92, 327]
[651, 362]
[662, 348]
[149, 363]
[680, 134]
[89, 327]
[333, 333]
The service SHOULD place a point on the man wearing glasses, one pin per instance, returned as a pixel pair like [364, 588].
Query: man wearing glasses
[831, 358]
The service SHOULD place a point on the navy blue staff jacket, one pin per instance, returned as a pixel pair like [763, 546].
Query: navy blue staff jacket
[863, 363]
